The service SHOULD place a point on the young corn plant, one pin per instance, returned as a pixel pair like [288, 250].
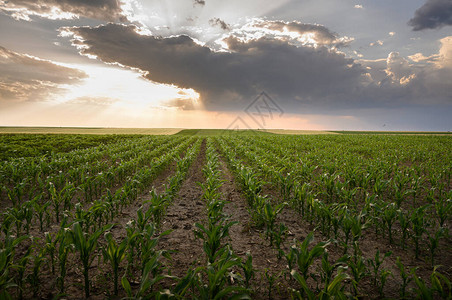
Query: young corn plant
[286, 184]
[64, 248]
[114, 253]
[20, 265]
[270, 215]
[357, 268]
[419, 224]
[248, 270]
[150, 276]
[280, 235]
[148, 240]
[334, 290]
[157, 207]
[404, 222]
[33, 278]
[56, 199]
[7, 254]
[389, 217]
[212, 235]
[376, 264]
[85, 244]
[27, 212]
[301, 195]
[328, 269]
[440, 287]
[271, 279]
[15, 215]
[305, 257]
[50, 248]
[406, 278]
[348, 222]
[384, 274]
[443, 209]
[133, 237]
[220, 279]
[40, 210]
[433, 239]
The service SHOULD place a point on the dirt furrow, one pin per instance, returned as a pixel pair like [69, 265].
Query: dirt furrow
[246, 238]
[186, 209]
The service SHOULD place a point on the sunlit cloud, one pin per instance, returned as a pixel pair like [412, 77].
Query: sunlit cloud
[108, 10]
[294, 32]
[28, 78]
[377, 43]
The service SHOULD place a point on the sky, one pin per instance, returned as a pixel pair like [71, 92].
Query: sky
[290, 64]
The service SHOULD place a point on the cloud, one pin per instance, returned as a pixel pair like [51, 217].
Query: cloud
[219, 22]
[377, 43]
[313, 34]
[199, 2]
[27, 78]
[433, 14]
[226, 79]
[424, 80]
[298, 76]
[359, 6]
[398, 69]
[106, 10]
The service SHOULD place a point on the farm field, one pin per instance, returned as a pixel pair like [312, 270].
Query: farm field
[85, 130]
[214, 214]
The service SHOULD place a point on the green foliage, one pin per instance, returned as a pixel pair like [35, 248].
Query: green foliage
[304, 256]
[221, 281]
[406, 278]
[114, 253]
[440, 286]
[212, 235]
[376, 265]
[85, 244]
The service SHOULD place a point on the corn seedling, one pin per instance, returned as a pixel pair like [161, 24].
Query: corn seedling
[248, 270]
[419, 225]
[270, 214]
[85, 245]
[433, 240]
[376, 264]
[212, 234]
[334, 290]
[33, 278]
[406, 278]
[358, 268]
[271, 279]
[304, 256]
[114, 253]
[220, 282]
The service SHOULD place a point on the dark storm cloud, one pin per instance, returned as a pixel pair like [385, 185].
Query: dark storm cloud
[26, 78]
[226, 79]
[107, 10]
[219, 22]
[433, 14]
[298, 76]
